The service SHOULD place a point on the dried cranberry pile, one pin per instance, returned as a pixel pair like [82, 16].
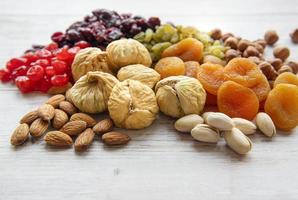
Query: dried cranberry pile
[42, 69]
[102, 27]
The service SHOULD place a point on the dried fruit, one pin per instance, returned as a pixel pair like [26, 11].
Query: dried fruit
[55, 100]
[59, 89]
[180, 95]
[138, 72]
[219, 121]
[96, 88]
[284, 68]
[103, 126]
[237, 141]
[115, 138]
[261, 88]
[46, 112]
[191, 68]
[205, 133]
[132, 105]
[20, 134]
[59, 119]
[286, 77]
[265, 124]
[68, 107]
[245, 126]
[74, 127]
[29, 117]
[188, 122]
[84, 140]
[246, 105]
[83, 117]
[170, 66]
[38, 127]
[282, 109]
[58, 139]
[212, 59]
[281, 52]
[271, 37]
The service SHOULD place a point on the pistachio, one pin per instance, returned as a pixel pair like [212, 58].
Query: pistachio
[237, 141]
[265, 124]
[188, 122]
[247, 127]
[205, 115]
[220, 121]
[205, 133]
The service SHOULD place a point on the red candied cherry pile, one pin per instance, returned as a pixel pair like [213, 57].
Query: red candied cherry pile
[42, 69]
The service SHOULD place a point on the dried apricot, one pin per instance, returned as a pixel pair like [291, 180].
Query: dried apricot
[286, 77]
[170, 66]
[261, 88]
[188, 49]
[191, 68]
[211, 100]
[282, 106]
[236, 100]
[211, 77]
[242, 71]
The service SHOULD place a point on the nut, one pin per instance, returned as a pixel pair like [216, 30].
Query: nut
[265, 124]
[276, 63]
[57, 138]
[294, 66]
[294, 36]
[284, 68]
[231, 42]
[84, 140]
[213, 59]
[226, 36]
[205, 115]
[59, 89]
[231, 53]
[68, 107]
[281, 52]
[29, 117]
[247, 127]
[46, 112]
[243, 44]
[83, 117]
[205, 133]
[261, 42]
[68, 96]
[188, 122]
[20, 134]
[220, 121]
[38, 127]
[59, 119]
[237, 141]
[258, 47]
[268, 70]
[74, 127]
[255, 59]
[103, 126]
[115, 138]
[55, 100]
[271, 37]
[251, 51]
[215, 34]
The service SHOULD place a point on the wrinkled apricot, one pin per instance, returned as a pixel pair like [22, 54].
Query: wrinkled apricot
[211, 100]
[188, 49]
[170, 66]
[286, 77]
[242, 71]
[236, 100]
[261, 88]
[211, 77]
[191, 68]
[282, 106]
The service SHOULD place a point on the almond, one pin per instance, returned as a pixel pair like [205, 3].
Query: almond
[46, 112]
[103, 126]
[67, 107]
[59, 119]
[83, 117]
[115, 138]
[55, 100]
[29, 117]
[74, 127]
[20, 134]
[84, 140]
[57, 138]
[38, 127]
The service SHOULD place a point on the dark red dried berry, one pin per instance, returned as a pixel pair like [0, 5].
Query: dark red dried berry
[14, 63]
[35, 73]
[59, 80]
[24, 84]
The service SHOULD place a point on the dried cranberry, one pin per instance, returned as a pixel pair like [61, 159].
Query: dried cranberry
[73, 35]
[41, 62]
[62, 54]
[82, 44]
[20, 71]
[24, 84]
[60, 67]
[43, 53]
[59, 80]
[31, 57]
[153, 22]
[15, 63]
[35, 73]
[52, 46]
[44, 85]
[5, 75]
[58, 37]
[50, 71]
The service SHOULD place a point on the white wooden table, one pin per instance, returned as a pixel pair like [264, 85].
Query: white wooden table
[158, 163]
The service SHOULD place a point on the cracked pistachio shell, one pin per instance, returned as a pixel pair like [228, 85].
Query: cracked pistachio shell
[127, 52]
[132, 105]
[145, 75]
[180, 95]
[89, 59]
[91, 92]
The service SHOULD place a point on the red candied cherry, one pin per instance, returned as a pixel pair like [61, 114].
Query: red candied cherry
[43, 53]
[60, 67]
[20, 71]
[72, 52]
[24, 84]
[14, 63]
[52, 46]
[82, 44]
[31, 57]
[42, 62]
[50, 71]
[62, 53]
[5, 75]
[35, 73]
[44, 85]
[59, 80]
[57, 37]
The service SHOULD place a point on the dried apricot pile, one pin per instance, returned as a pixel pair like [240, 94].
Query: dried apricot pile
[191, 68]
[170, 66]
[286, 77]
[282, 106]
[236, 100]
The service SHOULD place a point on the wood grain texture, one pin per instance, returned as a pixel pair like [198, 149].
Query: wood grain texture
[158, 163]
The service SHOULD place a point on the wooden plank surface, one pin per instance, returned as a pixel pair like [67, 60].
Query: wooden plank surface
[159, 163]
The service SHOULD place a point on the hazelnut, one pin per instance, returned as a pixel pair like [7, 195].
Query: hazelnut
[271, 37]
[251, 51]
[268, 70]
[255, 59]
[231, 42]
[261, 42]
[258, 47]
[294, 66]
[276, 63]
[284, 68]
[231, 53]
[294, 36]
[215, 34]
[281, 52]
[243, 44]
[226, 36]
